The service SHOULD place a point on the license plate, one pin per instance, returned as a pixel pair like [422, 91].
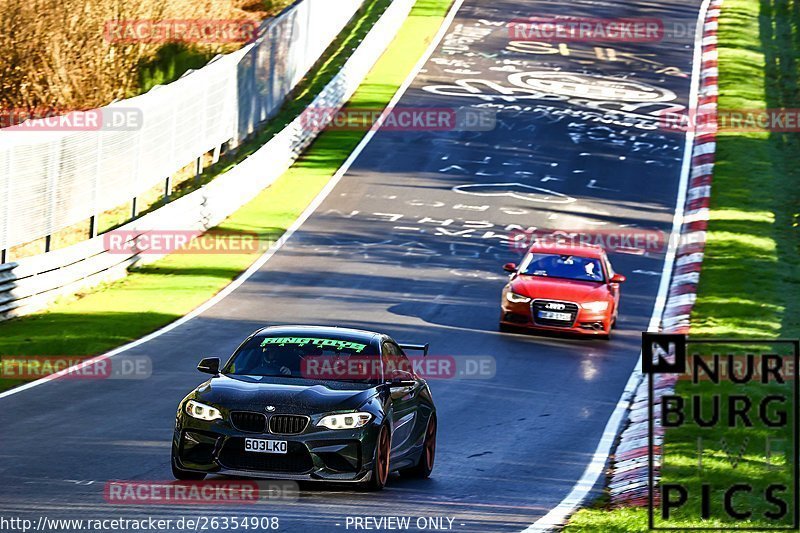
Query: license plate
[265, 446]
[552, 315]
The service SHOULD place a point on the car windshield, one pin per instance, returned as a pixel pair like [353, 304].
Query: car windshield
[318, 358]
[572, 267]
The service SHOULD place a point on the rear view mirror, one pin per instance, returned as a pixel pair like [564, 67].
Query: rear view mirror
[618, 278]
[510, 267]
[209, 365]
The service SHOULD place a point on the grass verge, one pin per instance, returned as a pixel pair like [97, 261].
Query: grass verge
[155, 295]
[750, 284]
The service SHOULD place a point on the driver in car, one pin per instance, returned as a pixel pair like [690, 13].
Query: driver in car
[271, 363]
[590, 271]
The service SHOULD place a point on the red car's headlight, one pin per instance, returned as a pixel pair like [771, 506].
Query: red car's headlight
[595, 307]
[515, 298]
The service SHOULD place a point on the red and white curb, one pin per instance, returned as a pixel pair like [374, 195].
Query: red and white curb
[628, 485]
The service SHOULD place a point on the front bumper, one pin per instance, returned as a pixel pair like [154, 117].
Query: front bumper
[584, 322]
[317, 454]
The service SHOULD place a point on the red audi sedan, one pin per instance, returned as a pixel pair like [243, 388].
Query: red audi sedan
[567, 288]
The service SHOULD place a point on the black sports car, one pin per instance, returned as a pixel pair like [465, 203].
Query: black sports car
[309, 403]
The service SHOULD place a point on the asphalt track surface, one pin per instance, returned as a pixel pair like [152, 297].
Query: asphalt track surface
[397, 248]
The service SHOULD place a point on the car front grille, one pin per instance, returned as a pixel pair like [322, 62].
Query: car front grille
[296, 460]
[249, 422]
[287, 424]
[554, 306]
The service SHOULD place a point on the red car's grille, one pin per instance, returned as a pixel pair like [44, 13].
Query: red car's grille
[542, 309]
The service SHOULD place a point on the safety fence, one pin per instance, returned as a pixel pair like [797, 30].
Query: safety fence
[31, 283]
[51, 180]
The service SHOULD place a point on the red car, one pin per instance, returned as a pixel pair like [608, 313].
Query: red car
[562, 288]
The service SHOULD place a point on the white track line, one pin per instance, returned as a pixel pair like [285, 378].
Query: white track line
[559, 514]
[261, 261]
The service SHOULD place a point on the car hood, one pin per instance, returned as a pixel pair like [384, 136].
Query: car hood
[295, 396]
[559, 289]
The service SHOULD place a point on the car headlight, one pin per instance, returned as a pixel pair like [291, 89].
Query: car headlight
[345, 421]
[515, 298]
[202, 411]
[595, 306]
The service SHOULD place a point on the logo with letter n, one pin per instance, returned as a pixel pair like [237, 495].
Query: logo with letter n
[663, 353]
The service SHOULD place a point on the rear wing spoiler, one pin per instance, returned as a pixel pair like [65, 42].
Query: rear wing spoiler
[416, 347]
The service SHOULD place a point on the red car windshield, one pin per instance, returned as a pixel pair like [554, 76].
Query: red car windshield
[572, 267]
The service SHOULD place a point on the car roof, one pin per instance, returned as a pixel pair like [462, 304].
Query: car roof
[581, 250]
[332, 332]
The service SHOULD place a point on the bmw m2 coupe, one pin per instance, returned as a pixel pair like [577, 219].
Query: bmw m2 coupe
[570, 288]
[309, 403]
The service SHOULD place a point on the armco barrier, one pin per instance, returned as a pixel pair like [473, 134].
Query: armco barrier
[51, 180]
[629, 477]
[31, 283]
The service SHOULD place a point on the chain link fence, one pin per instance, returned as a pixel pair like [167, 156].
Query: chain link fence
[30, 284]
[51, 180]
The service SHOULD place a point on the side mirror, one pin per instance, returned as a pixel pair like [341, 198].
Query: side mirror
[209, 365]
[402, 380]
[510, 267]
[618, 278]
[402, 383]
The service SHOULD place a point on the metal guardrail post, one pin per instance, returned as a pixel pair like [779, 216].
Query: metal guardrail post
[134, 209]
[5, 210]
[198, 169]
[93, 220]
[53, 167]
